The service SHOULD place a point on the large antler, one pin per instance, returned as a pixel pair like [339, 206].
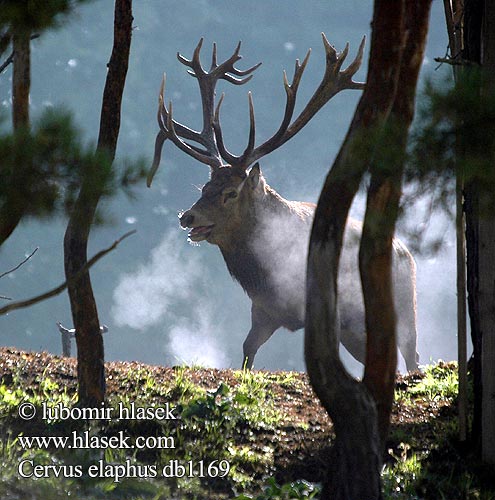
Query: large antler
[334, 80]
[170, 129]
[213, 149]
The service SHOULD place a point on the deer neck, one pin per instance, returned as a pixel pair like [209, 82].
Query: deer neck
[243, 263]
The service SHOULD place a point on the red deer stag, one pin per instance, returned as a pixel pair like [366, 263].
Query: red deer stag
[262, 236]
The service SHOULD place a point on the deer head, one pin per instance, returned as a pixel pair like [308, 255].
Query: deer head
[226, 201]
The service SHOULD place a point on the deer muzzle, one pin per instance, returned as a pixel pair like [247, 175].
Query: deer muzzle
[199, 232]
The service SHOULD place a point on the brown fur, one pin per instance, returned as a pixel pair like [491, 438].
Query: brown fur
[263, 239]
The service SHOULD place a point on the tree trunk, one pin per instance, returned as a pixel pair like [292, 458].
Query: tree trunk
[487, 258]
[454, 20]
[479, 48]
[473, 16]
[21, 79]
[360, 435]
[21, 84]
[356, 472]
[379, 225]
[90, 352]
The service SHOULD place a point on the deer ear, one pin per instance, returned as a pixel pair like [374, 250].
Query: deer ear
[254, 176]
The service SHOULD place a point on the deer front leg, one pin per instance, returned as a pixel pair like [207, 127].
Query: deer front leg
[262, 328]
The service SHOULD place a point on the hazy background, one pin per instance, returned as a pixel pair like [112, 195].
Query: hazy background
[164, 300]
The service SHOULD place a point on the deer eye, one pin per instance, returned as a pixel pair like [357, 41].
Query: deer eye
[230, 195]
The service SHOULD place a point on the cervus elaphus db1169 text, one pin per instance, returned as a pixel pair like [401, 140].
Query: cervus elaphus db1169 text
[262, 236]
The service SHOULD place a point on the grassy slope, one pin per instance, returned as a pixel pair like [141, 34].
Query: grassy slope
[269, 427]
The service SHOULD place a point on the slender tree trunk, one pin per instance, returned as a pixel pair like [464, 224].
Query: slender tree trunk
[21, 79]
[21, 84]
[90, 352]
[454, 21]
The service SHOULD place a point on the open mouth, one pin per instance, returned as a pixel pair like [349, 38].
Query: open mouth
[200, 233]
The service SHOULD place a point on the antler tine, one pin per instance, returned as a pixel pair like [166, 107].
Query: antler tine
[236, 161]
[214, 63]
[298, 72]
[228, 65]
[252, 126]
[224, 153]
[204, 157]
[340, 56]
[160, 139]
[355, 65]
[227, 70]
[194, 63]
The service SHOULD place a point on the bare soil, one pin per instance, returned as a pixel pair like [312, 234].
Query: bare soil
[300, 444]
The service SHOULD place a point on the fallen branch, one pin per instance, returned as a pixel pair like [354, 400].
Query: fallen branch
[59, 289]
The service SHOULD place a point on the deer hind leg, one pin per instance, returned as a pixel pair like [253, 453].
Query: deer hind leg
[262, 328]
[407, 337]
[352, 331]
[407, 341]
[355, 343]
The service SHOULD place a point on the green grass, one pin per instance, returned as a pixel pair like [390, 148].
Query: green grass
[440, 381]
[224, 424]
[209, 422]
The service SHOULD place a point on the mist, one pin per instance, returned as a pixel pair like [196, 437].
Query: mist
[162, 298]
[154, 295]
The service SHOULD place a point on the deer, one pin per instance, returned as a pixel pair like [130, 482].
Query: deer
[263, 237]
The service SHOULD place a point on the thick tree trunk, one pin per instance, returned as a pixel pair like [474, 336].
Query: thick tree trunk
[90, 352]
[379, 225]
[473, 16]
[356, 473]
[487, 328]
[479, 47]
[352, 405]
[486, 266]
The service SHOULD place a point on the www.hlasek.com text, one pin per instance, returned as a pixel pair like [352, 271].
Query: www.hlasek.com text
[86, 440]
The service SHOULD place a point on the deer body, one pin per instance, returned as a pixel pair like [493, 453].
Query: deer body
[265, 249]
[262, 236]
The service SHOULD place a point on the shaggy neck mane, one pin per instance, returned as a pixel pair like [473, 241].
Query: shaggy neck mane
[243, 264]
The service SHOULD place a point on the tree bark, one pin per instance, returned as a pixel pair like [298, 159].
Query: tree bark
[487, 258]
[21, 79]
[14, 207]
[352, 405]
[454, 20]
[356, 472]
[379, 225]
[90, 351]
[473, 16]
[479, 48]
